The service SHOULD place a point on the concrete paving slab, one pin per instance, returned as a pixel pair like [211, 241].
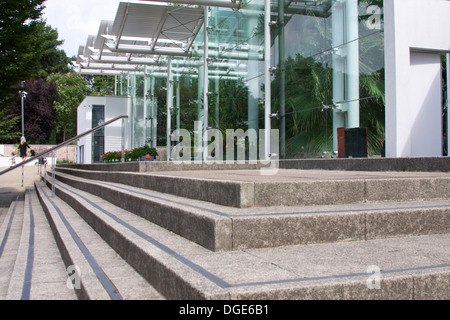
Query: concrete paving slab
[11, 183]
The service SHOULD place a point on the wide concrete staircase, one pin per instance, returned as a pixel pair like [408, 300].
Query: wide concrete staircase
[178, 231]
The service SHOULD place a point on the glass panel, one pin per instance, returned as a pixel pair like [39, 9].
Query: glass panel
[329, 60]
[333, 74]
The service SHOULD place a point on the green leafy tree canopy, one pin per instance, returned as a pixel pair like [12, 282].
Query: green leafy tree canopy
[71, 91]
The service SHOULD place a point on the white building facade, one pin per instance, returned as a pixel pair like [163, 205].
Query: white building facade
[94, 111]
[416, 39]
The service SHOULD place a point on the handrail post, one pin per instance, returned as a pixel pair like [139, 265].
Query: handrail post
[123, 140]
[53, 173]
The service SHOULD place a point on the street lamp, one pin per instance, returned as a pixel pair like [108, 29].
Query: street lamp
[23, 94]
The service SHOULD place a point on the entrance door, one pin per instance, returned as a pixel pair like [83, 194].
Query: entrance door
[98, 139]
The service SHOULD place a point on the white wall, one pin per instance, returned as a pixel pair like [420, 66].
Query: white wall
[425, 109]
[114, 106]
[411, 28]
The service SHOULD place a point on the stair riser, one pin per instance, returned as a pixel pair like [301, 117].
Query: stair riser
[427, 286]
[328, 228]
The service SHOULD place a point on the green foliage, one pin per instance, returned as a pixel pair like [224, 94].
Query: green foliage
[28, 51]
[101, 85]
[134, 154]
[53, 60]
[308, 87]
[7, 123]
[148, 150]
[71, 91]
[20, 44]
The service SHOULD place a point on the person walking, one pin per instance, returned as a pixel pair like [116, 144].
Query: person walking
[23, 148]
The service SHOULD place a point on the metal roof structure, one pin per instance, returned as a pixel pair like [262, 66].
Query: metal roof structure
[140, 34]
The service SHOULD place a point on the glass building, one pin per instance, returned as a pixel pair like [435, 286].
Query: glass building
[305, 68]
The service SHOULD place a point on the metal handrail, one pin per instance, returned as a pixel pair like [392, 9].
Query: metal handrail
[62, 144]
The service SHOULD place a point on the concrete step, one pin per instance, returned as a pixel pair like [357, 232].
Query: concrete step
[285, 187]
[397, 268]
[97, 272]
[39, 272]
[223, 228]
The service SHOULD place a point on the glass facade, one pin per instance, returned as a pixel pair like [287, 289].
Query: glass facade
[327, 72]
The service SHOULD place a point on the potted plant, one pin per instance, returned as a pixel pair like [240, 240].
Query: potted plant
[148, 153]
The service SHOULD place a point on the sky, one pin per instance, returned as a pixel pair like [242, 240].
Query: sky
[76, 20]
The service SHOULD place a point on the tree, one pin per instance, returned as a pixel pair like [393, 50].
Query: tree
[7, 124]
[52, 59]
[102, 85]
[38, 110]
[71, 91]
[39, 115]
[19, 44]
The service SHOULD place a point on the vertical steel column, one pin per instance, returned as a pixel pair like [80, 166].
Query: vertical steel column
[154, 114]
[178, 104]
[198, 127]
[145, 115]
[132, 88]
[281, 53]
[267, 77]
[216, 82]
[205, 81]
[169, 105]
[338, 68]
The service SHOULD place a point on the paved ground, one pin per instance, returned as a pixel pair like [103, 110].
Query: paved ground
[11, 183]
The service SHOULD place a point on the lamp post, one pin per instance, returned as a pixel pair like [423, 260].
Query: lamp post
[23, 95]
